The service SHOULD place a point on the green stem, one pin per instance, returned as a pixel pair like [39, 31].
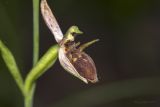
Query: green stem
[35, 31]
[28, 98]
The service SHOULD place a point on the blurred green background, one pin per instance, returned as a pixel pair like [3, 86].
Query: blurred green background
[127, 57]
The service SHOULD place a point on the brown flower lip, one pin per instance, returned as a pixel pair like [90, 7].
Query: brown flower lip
[84, 65]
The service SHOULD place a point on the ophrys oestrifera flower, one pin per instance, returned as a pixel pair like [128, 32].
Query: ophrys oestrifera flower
[71, 56]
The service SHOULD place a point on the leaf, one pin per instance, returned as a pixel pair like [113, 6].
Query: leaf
[11, 65]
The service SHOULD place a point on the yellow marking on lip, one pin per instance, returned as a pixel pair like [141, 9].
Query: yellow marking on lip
[79, 56]
[74, 59]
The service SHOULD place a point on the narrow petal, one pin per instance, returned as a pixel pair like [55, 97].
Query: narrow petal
[51, 21]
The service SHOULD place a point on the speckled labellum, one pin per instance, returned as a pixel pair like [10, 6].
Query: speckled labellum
[84, 64]
[71, 56]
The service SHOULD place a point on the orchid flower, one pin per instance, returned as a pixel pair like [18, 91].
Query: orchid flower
[71, 56]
